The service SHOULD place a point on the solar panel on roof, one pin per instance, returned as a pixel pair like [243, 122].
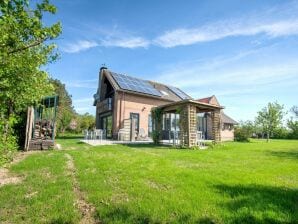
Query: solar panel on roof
[134, 84]
[179, 92]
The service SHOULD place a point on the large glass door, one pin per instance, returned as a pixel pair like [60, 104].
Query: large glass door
[202, 124]
[107, 125]
[135, 118]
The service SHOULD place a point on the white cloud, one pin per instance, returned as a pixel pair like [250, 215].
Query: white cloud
[124, 42]
[228, 28]
[78, 46]
[83, 105]
[89, 84]
[243, 73]
[83, 100]
[82, 109]
[129, 42]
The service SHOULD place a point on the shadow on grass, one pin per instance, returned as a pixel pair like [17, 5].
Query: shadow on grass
[287, 155]
[117, 214]
[70, 137]
[261, 204]
[60, 221]
[146, 146]
[122, 214]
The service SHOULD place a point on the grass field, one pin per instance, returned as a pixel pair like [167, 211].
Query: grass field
[253, 182]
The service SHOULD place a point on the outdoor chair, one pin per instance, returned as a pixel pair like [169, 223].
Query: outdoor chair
[200, 139]
[175, 137]
[87, 135]
[97, 134]
[121, 133]
[142, 135]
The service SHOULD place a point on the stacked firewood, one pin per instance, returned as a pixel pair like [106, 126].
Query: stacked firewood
[43, 130]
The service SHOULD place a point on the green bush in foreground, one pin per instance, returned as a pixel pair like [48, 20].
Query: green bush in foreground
[8, 142]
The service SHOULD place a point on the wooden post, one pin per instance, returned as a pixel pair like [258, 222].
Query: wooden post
[188, 125]
[216, 134]
[192, 126]
[183, 124]
[30, 120]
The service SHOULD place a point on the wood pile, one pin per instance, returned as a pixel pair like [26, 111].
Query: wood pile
[38, 144]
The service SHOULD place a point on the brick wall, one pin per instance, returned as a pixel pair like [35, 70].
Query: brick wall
[126, 103]
[227, 135]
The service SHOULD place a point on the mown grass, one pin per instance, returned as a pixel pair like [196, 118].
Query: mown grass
[44, 196]
[253, 182]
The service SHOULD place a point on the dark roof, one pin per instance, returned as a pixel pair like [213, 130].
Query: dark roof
[226, 119]
[165, 90]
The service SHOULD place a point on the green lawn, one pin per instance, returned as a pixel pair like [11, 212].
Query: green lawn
[253, 182]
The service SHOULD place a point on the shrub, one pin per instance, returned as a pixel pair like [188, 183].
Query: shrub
[156, 136]
[241, 135]
[244, 131]
[8, 142]
[280, 133]
[293, 126]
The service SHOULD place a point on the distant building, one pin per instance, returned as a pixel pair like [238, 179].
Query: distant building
[205, 125]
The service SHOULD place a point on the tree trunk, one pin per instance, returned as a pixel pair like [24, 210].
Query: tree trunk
[268, 136]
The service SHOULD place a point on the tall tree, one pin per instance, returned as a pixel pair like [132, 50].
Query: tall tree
[25, 46]
[65, 109]
[86, 121]
[293, 123]
[294, 110]
[270, 118]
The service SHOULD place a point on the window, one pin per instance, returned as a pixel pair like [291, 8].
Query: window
[136, 118]
[227, 127]
[164, 93]
[170, 122]
[150, 124]
[167, 122]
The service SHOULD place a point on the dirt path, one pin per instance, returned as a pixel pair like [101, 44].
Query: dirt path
[87, 210]
[8, 178]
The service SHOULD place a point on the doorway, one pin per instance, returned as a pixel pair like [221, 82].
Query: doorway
[135, 121]
[107, 125]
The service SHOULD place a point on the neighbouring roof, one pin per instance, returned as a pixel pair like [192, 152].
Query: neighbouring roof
[211, 100]
[226, 119]
[145, 87]
[204, 100]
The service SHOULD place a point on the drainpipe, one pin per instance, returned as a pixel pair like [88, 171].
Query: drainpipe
[120, 112]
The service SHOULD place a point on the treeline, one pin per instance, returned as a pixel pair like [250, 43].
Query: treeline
[269, 123]
[67, 119]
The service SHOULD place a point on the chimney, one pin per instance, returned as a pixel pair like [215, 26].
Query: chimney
[103, 67]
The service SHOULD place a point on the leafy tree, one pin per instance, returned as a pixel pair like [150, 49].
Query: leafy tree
[86, 121]
[293, 123]
[270, 118]
[25, 46]
[294, 110]
[281, 133]
[65, 111]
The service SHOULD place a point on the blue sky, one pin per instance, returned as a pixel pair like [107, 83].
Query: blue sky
[244, 52]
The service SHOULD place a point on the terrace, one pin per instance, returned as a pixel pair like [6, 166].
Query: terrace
[185, 117]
